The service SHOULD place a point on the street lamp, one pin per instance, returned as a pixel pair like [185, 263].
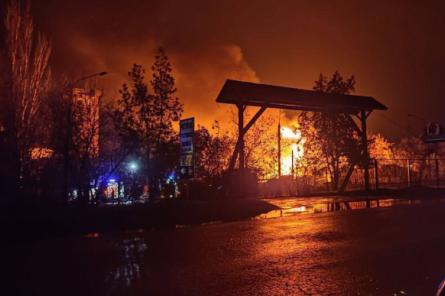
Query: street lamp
[133, 166]
[88, 77]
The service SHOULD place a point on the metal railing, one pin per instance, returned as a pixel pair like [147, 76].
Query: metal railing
[408, 172]
[393, 173]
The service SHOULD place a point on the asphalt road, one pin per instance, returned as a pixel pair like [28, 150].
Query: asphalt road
[396, 250]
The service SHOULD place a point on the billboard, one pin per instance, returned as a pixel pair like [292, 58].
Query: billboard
[186, 141]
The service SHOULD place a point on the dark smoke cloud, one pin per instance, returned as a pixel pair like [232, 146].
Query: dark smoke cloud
[395, 49]
[91, 36]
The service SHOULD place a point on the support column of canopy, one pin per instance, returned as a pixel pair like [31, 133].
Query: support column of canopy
[279, 146]
[241, 133]
[364, 153]
[242, 130]
[363, 116]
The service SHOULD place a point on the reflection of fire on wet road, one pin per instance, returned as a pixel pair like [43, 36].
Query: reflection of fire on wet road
[292, 206]
[130, 269]
[391, 249]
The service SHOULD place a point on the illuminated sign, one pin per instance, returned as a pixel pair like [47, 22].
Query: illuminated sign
[186, 141]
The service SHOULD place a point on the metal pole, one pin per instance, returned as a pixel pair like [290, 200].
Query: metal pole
[409, 172]
[365, 149]
[292, 168]
[279, 148]
[241, 136]
[67, 146]
[327, 179]
[376, 174]
[430, 181]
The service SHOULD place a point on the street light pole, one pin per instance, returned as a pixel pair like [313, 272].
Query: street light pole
[133, 166]
[88, 77]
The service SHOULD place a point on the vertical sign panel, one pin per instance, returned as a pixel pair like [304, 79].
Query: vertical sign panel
[186, 137]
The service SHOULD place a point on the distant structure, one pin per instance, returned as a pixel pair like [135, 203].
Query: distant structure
[243, 94]
[85, 113]
[85, 116]
[433, 133]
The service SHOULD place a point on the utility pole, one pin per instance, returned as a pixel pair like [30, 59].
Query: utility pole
[365, 152]
[293, 172]
[242, 164]
[376, 174]
[279, 144]
[408, 173]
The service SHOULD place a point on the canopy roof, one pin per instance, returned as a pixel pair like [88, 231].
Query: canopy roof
[255, 94]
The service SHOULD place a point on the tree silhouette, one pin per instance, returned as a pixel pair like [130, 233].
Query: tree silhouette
[133, 116]
[27, 55]
[145, 119]
[166, 107]
[212, 151]
[332, 132]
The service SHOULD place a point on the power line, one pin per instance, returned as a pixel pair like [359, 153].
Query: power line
[398, 125]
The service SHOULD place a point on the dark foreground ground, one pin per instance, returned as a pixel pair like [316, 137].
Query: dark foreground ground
[29, 222]
[37, 222]
[395, 249]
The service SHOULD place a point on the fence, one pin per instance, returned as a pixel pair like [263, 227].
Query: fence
[384, 174]
[402, 173]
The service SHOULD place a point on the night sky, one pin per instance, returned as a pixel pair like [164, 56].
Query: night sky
[396, 50]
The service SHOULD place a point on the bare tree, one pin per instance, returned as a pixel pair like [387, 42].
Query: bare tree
[28, 55]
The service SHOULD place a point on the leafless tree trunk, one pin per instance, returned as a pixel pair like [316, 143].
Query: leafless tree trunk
[28, 53]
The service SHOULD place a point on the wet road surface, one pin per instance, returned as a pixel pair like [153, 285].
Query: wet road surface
[393, 250]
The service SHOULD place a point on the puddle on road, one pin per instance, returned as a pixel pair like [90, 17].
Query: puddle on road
[289, 207]
[130, 263]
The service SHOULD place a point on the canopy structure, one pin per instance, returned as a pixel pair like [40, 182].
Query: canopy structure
[243, 94]
[271, 96]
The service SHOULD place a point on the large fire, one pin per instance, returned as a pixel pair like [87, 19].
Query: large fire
[292, 150]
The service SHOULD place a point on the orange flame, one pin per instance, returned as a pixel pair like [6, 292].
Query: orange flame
[295, 147]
